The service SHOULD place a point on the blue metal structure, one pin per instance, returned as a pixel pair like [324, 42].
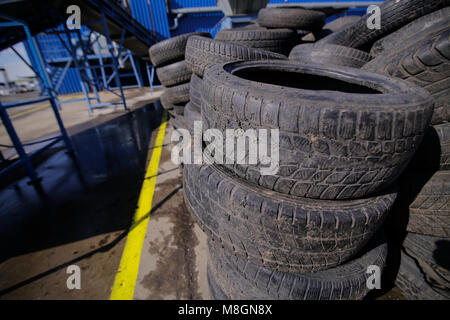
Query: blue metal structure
[24, 158]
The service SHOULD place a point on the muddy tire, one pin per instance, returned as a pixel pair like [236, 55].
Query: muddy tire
[241, 279]
[279, 232]
[426, 64]
[174, 74]
[431, 256]
[215, 291]
[178, 94]
[171, 50]
[291, 18]
[202, 53]
[429, 212]
[195, 92]
[274, 40]
[394, 15]
[332, 144]
[418, 29]
[329, 54]
[434, 151]
[410, 280]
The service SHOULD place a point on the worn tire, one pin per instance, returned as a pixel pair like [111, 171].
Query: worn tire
[280, 232]
[274, 40]
[171, 50]
[214, 289]
[195, 92]
[202, 53]
[434, 151]
[333, 26]
[165, 103]
[426, 64]
[291, 18]
[394, 15]
[429, 212]
[329, 54]
[431, 255]
[191, 114]
[417, 29]
[241, 279]
[174, 74]
[410, 280]
[332, 144]
[178, 94]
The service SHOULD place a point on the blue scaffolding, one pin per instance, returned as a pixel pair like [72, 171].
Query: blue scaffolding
[41, 72]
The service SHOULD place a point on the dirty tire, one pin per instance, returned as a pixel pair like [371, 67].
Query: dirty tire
[177, 121]
[434, 151]
[329, 54]
[241, 279]
[171, 50]
[431, 255]
[191, 114]
[165, 103]
[202, 53]
[178, 94]
[426, 64]
[410, 280]
[179, 109]
[332, 144]
[291, 18]
[215, 291]
[275, 231]
[429, 213]
[274, 40]
[394, 15]
[195, 92]
[417, 29]
[174, 74]
[329, 28]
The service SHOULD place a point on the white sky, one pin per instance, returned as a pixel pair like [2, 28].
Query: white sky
[14, 66]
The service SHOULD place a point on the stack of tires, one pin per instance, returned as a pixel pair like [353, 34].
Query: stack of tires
[420, 53]
[168, 58]
[312, 229]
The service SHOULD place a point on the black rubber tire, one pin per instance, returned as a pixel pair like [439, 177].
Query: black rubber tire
[241, 279]
[179, 109]
[329, 28]
[434, 151]
[171, 50]
[429, 212]
[178, 94]
[410, 280]
[202, 53]
[279, 232]
[291, 18]
[394, 15]
[195, 92]
[274, 40]
[329, 54]
[417, 29]
[165, 103]
[214, 289]
[426, 64]
[174, 74]
[333, 145]
[177, 121]
[431, 255]
[191, 114]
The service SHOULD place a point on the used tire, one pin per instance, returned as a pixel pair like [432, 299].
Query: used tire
[191, 115]
[329, 54]
[241, 279]
[274, 40]
[214, 289]
[426, 64]
[171, 50]
[174, 74]
[393, 15]
[432, 257]
[195, 93]
[178, 94]
[419, 28]
[329, 28]
[291, 18]
[279, 232]
[165, 103]
[429, 212]
[411, 281]
[337, 138]
[202, 53]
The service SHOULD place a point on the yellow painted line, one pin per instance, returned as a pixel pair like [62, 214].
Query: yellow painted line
[123, 288]
[17, 115]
